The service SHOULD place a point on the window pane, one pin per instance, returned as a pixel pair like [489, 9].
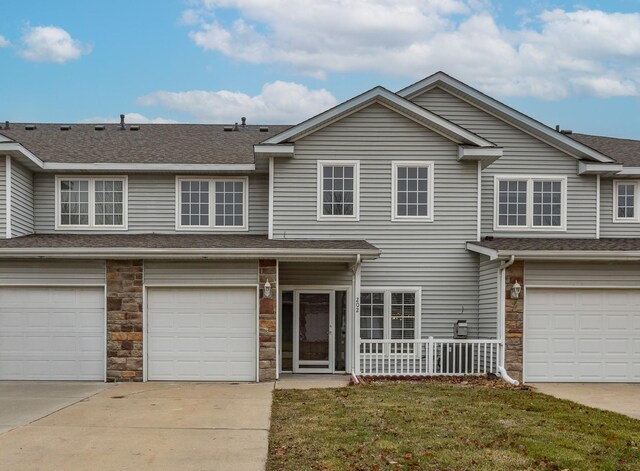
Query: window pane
[372, 315]
[412, 188]
[547, 203]
[74, 195]
[338, 190]
[194, 204]
[626, 200]
[403, 316]
[229, 204]
[108, 207]
[513, 192]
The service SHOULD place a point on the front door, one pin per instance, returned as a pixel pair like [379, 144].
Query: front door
[313, 349]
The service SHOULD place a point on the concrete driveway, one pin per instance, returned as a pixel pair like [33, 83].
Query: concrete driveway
[151, 426]
[623, 398]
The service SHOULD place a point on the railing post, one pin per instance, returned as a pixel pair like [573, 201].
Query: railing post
[430, 356]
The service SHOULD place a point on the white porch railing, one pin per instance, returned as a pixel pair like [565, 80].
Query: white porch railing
[429, 357]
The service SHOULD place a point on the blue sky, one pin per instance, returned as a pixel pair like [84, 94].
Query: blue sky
[568, 63]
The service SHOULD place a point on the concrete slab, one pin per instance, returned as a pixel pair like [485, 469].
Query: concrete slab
[23, 402]
[151, 426]
[623, 398]
[312, 381]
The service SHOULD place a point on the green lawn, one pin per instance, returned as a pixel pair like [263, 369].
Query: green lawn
[427, 425]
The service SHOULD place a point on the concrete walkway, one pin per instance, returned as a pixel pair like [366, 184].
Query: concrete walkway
[150, 426]
[623, 398]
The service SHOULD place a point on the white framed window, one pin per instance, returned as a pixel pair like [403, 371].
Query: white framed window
[390, 313]
[530, 203]
[412, 191]
[625, 201]
[212, 203]
[338, 190]
[90, 202]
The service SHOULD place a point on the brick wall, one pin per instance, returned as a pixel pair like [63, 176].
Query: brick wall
[268, 309]
[125, 280]
[514, 316]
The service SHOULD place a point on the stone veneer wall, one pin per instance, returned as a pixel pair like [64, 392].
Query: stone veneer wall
[514, 317]
[125, 279]
[268, 310]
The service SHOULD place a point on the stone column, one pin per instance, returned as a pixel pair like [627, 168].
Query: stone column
[125, 279]
[268, 314]
[514, 316]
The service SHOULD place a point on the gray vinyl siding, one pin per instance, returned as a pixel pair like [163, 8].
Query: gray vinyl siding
[582, 274]
[52, 272]
[152, 203]
[488, 298]
[3, 197]
[523, 155]
[608, 228]
[201, 273]
[430, 256]
[21, 200]
[314, 274]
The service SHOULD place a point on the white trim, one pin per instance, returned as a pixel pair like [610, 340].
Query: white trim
[17, 147]
[274, 150]
[479, 200]
[583, 255]
[598, 206]
[296, 332]
[582, 287]
[492, 254]
[629, 172]
[211, 227]
[356, 190]
[126, 167]
[8, 198]
[271, 189]
[387, 290]
[429, 165]
[591, 168]
[636, 200]
[521, 120]
[92, 226]
[529, 227]
[385, 97]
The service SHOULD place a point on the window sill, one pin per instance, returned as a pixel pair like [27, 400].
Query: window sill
[91, 228]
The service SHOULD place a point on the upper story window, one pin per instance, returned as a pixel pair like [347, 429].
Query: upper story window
[412, 191]
[625, 201]
[526, 203]
[91, 202]
[212, 203]
[338, 186]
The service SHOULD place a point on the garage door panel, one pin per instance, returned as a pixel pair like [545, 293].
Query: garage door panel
[201, 334]
[582, 335]
[52, 333]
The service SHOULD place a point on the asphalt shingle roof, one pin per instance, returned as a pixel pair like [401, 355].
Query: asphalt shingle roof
[152, 143]
[624, 151]
[559, 244]
[178, 241]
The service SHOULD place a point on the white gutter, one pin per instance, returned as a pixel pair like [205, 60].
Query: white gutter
[597, 206]
[579, 255]
[7, 180]
[132, 167]
[503, 320]
[195, 253]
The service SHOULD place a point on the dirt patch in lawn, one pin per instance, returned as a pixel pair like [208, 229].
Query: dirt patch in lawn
[462, 424]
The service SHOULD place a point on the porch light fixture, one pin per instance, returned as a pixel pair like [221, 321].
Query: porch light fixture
[267, 290]
[515, 290]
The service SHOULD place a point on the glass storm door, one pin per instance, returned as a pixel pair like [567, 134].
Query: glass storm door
[313, 332]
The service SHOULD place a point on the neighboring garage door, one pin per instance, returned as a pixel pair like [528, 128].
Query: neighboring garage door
[582, 335]
[52, 333]
[201, 334]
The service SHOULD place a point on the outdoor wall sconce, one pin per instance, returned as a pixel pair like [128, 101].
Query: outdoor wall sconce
[267, 290]
[515, 290]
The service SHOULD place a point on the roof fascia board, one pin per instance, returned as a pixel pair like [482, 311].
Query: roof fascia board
[590, 168]
[381, 95]
[586, 255]
[485, 155]
[274, 150]
[629, 172]
[125, 252]
[147, 167]
[17, 147]
[492, 254]
[494, 106]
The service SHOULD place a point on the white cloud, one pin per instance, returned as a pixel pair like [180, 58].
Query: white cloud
[278, 102]
[553, 54]
[51, 44]
[4, 42]
[129, 118]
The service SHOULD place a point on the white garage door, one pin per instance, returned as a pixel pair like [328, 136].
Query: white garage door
[201, 334]
[582, 335]
[52, 333]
